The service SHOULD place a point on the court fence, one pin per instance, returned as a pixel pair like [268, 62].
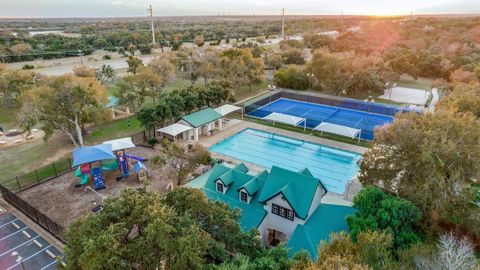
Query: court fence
[317, 98]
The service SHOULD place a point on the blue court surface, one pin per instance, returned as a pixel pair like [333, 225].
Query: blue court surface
[334, 167]
[317, 113]
[17, 241]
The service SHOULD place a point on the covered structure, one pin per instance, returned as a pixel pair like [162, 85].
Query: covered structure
[89, 154]
[286, 119]
[338, 130]
[175, 130]
[120, 144]
[203, 122]
[226, 109]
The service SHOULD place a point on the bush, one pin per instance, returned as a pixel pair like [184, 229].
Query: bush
[201, 155]
[291, 77]
[27, 67]
[380, 211]
[152, 141]
[107, 57]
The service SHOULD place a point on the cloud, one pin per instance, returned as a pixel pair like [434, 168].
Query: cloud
[116, 3]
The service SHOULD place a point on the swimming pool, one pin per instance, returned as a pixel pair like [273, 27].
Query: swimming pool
[333, 166]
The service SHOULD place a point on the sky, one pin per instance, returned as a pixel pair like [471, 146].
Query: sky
[121, 8]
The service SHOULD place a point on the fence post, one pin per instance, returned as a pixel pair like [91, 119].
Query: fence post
[144, 136]
[69, 163]
[18, 183]
[36, 174]
[54, 168]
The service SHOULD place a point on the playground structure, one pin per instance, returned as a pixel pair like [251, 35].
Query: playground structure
[108, 156]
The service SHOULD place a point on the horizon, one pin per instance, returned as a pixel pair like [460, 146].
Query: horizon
[137, 8]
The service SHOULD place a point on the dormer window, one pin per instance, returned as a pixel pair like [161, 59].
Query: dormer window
[243, 196]
[220, 186]
[283, 212]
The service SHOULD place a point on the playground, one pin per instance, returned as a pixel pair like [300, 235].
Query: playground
[99, 171]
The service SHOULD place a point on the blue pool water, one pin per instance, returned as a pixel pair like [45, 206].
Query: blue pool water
[318, 113]
[333, 166]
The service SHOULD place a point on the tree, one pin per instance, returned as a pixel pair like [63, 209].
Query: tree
[383, 212]
[136, 230]
[274, 60]
[293, 56]
[463, 98]
[64, 103]
[133, 64]
[84, 71]
[371, 251]
[13, 84]
[105, 73]
[177, 158]
[431, 160]
[451, 253]
[164, 70]
[365, 82]
[131, 49]
[241, 68]
[134, 88]
[199, 40]
[292, 77]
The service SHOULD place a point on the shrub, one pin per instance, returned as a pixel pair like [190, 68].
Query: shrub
[152, 141]
[107, 57]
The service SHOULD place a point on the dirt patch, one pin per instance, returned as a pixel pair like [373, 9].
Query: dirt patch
[61, 201]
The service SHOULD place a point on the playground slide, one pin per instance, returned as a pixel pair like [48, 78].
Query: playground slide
[98, 182]
[83, 177]
[137, 158]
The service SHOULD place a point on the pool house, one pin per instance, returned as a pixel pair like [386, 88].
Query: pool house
[201, 123]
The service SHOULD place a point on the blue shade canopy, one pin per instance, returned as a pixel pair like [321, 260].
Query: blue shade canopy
[89, 154]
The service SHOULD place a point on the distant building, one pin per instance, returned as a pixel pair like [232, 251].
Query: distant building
[355, 29]
[332, 34]
[283, 205]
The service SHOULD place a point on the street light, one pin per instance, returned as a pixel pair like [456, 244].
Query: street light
[310, 77]
[19, 259]
[80, 53]
[271, 88]
[369, 100]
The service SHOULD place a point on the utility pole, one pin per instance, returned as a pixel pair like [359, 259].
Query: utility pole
[150, 12]
[283, 23]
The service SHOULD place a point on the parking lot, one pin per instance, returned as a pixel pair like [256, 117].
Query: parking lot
[21, 248]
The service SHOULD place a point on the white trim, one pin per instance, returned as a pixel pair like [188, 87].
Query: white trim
[174, 129]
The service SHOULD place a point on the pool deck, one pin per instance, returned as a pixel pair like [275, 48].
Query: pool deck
[236, 126]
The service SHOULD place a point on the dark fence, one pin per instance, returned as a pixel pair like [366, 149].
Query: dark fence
[38, 217]
[38, 176]
[347, 103]
[11, 187]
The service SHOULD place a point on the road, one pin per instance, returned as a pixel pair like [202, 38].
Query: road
[116, 64]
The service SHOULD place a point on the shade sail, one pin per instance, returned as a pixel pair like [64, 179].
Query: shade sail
[226, 109]
[120, 144]
[174, 129]
[89, 154]
[284, 118]
[338, 129]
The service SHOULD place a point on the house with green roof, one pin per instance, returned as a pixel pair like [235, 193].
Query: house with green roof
[283, 205]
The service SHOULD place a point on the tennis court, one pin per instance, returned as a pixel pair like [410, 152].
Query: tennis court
[316, 114]
[21, 248]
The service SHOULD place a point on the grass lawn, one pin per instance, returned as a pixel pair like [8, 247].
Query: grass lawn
[332, 137]
[245, 92]
[114, 130]
[420, 83]
[7, 118]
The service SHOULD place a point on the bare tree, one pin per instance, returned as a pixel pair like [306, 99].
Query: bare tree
[452, 253]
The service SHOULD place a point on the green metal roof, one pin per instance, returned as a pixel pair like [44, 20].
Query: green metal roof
[297, 188]
[325, 220]
[202, 117]
[255, 184]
